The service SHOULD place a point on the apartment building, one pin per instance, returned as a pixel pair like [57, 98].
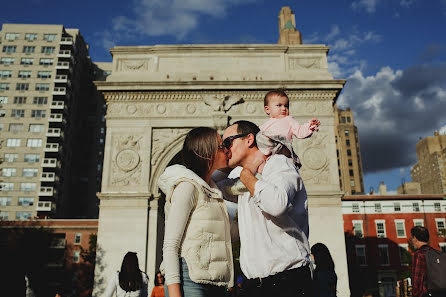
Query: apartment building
[348, 152]
[430, 170]
[377, 229]
[46, 97]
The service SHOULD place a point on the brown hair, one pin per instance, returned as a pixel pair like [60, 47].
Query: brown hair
[276, 92]
[199, 150]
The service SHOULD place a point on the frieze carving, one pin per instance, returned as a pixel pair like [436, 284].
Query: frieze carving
[315, 163]
[221, 103]
[126, 163]
[304, 63]
[132, 65]
[162, 139]
[173, 96]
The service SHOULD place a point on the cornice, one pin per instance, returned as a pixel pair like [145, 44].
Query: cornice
[335, 84]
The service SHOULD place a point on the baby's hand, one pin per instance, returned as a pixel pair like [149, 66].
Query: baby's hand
[314, 124]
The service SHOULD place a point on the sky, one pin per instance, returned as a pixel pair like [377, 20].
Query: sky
[391, 52]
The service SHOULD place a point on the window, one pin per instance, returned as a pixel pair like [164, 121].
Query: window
[19, 100]
[34, 142]
[76, 256]
[4, 86]
[12, 36]
[2, 112]
[77, 238]
[24, 74]
[42, 87]
[7, 61]
[48, 49]
[349, 153]
[347, 142]
[29, 172]
[30, 36]
[342, 119]
[350, 162]
[3, 99]
[397, 206]
[26, 201]
[349, 120]
[380, 228]
[346, 133]
[40, 100]
[11, 157]
[5, 201]
[360, 255]
[29, 49]
[23, 215]
[440, 227]
[377, 207]
[383, 253]
[26, 61]
[22, 87]
[358, 228]
[27, 187]
[8, 171]
[352, 183]
[1, 124]
[46, 62]
[4, 215]
[437, 206]
[405, 256]
[15, 128]
[416, 206]
[351, 172]
[13, 142]
[49, 37]
[37, 113]
[418, 222]
[355, 207]
[32, 158]
[18, 113]
[36, 127]
[44, 74]
[7, 186]
[442, 246]
[9, 48]
[5, 73]
[400, 228]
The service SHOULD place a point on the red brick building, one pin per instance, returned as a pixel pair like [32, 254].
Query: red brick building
[49, 253]
[377, 229]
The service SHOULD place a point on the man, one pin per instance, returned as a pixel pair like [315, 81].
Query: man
[272, 218]
[419, 241]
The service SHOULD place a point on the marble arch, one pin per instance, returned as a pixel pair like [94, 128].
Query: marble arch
[155, 94]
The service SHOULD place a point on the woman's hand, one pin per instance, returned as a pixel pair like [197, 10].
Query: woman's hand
[174, 290]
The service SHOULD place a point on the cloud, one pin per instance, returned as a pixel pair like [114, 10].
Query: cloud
[393, 108]
[407, 3]
[175, 18]
[443, 130]
[367, 5]
[432, 51]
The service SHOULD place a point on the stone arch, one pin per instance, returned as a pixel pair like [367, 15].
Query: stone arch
[170, 151]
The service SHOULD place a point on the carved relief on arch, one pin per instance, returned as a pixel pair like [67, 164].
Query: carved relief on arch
[315, 164]
[126, 160]
[166, 143]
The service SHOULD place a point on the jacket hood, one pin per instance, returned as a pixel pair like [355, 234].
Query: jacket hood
[175, 174]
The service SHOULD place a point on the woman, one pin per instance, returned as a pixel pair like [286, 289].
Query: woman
[324, 278]
[130, 281]
[158, 290]
[197, 248]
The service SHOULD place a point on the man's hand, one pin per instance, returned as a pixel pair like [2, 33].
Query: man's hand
[248, 179]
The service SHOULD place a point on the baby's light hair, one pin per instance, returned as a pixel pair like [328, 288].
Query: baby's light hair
[276, 92]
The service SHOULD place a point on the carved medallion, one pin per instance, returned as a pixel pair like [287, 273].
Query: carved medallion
[314, 158]
[127, 160]
[126, 165]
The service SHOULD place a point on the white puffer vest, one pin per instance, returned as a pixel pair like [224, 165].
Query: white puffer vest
[206, 243]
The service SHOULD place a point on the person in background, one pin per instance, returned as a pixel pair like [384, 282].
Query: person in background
[130, 281]
[158, 290]
[419, 241]
[324, 277]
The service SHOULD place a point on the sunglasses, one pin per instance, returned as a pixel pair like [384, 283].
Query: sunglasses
[227, 142]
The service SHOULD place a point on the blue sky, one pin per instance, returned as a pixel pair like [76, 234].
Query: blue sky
[392, 52]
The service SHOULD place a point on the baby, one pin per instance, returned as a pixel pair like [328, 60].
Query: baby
[276, 134]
